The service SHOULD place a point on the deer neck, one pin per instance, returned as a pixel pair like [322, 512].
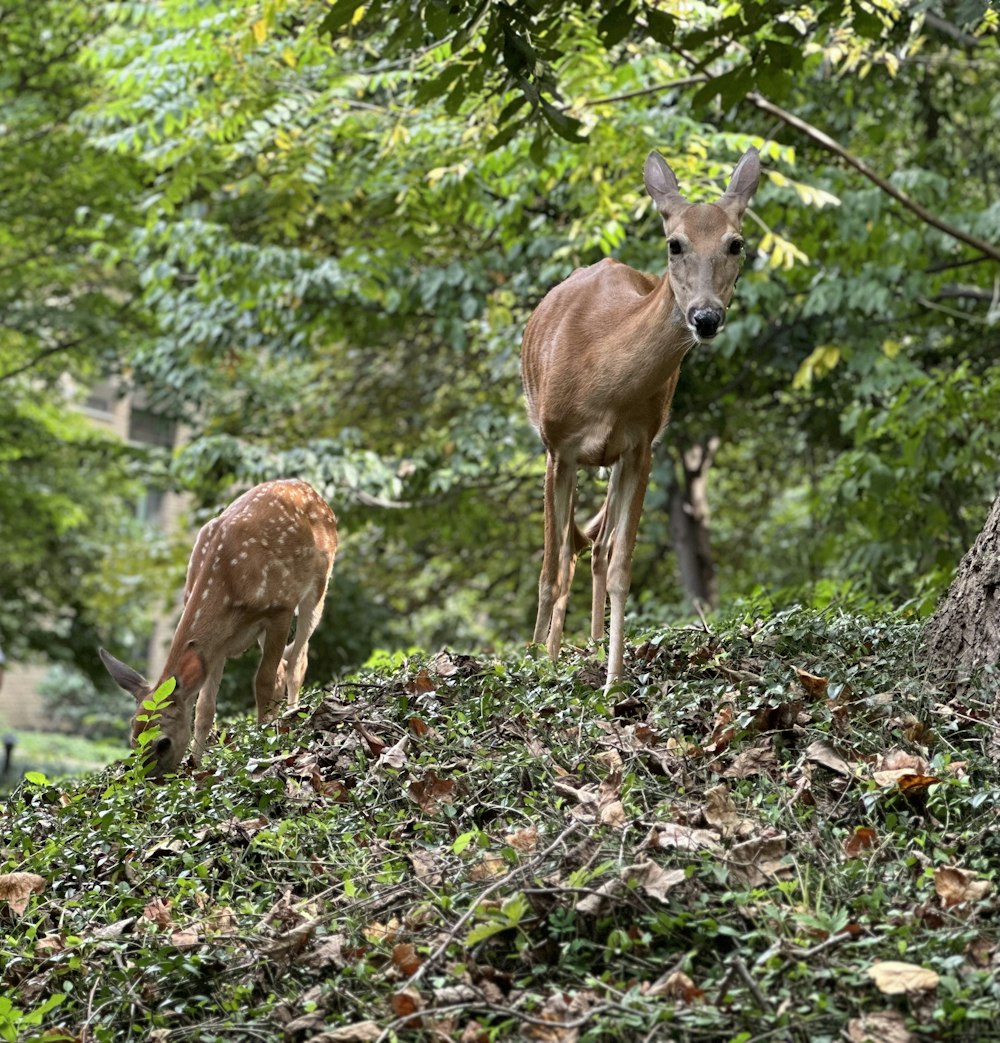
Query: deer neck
[659, 337]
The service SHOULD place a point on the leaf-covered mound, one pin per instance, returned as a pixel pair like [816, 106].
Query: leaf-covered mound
[774, 831]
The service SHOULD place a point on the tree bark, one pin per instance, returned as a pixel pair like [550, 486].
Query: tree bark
[689, 524]
[963, 635]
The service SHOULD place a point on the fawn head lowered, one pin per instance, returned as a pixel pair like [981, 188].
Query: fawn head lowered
[268, 556]
[704, 242]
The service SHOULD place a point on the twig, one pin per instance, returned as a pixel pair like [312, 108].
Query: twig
[480, 898]
[741, 969]
[742, 675]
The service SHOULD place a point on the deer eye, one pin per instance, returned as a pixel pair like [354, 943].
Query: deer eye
[675, 247]
[736, 247]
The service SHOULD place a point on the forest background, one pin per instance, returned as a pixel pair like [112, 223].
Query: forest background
[312, 233]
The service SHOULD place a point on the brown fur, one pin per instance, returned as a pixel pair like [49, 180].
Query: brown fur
[600, 360]
[267, 556]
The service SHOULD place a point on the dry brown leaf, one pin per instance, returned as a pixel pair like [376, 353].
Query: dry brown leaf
[418, 726]
[113, 930]
[814, 685]
[563, 1013]
[897, 760]
[405, 1004]
[165, 847]
[524, 840]
[598, 902]
[421, 683]
[404, 957]
[653, 879]
[894, 977]
[823, 753]
[394, 756]
[914, 785]
[329, 953]
[721, 813]
[759, 860]
[50, 944]
[17, 888]
[684, 838]
[888, 779]
[490, 867]
[382, 932]
[374, 743]
[887, 1026]
[359, 1032]
[722, 730]
[185, 938]
[333, 788]
[613, 814]
[862, 839]
[610, 759]
[955, 885]
[427, 866]
[758, 760]
[222, 920]
[675, 985]
[158, 911]
[431, 792]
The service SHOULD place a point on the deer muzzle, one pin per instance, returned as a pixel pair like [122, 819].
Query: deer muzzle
[706, 322]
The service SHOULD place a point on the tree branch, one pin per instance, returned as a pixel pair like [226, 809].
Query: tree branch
[825, 141]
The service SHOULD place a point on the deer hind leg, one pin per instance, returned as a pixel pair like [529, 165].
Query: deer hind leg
[599, 530]
[296, 655]
[560, 553]
[625, 498]
[272, 651]
[204, 713]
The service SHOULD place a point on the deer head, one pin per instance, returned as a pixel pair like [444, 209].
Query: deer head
[704, 242]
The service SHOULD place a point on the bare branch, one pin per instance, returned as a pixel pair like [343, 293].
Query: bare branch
[820, 138]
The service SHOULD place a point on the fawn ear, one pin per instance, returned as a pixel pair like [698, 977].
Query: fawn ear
[190, 672]
[124, 676]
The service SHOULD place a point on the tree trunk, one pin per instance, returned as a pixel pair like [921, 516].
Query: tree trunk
[963, 635]
[689, 519]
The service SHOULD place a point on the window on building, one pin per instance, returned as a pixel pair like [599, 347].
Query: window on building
[150, 428]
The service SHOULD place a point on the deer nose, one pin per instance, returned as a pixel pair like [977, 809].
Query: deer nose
[706, 322]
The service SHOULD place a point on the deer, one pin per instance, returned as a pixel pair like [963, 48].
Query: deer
[267, 557]
[600, 360]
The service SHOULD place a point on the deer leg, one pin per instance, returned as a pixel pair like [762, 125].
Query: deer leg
[601, 531]
[273, 649]
[624, 512]
[296, 655]
[204, 712]
[560, 553]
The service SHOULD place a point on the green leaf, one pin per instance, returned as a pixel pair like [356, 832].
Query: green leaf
[661, 26]
[614, 26]
[482, 931]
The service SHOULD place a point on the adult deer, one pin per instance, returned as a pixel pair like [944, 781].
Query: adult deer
[600, 359]
[267, 556]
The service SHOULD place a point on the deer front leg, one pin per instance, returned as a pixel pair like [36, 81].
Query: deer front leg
[296, 655]
[273, 649]
[622, 523]
[560, 552]
[204, 713]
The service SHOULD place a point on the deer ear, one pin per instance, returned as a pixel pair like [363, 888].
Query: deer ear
[662, 186]
[124, 676]
[742, 184]
[190, 672]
